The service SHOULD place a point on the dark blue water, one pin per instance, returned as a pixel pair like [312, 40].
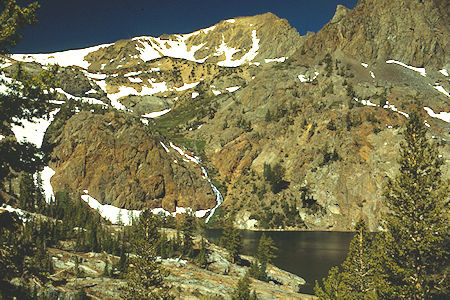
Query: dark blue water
[307, 254]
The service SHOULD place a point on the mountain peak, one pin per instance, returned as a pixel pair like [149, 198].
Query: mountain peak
[414, 32]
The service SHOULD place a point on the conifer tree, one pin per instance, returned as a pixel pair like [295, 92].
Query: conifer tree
[202, 257]
[231, 240]
[417, 235]
[145, 279]
[27, 191]
[188, 228]
[360, 276]
[21, 101]
[242, 291]
[12, 19]
[332, 287]
[264, 255]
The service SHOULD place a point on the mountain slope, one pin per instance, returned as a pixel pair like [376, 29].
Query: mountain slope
[327, 120]
[414, 32]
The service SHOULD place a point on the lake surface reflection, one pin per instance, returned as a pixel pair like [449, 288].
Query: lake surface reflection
[304, 253]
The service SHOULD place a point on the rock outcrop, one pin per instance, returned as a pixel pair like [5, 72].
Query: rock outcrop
[414, 32]
[121, 163]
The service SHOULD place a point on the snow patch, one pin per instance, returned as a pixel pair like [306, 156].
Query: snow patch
[365, 102]
[444, 72]
[444, 116]
[110, 212]
[156, 114]
[393, 108]
[304, 78]
[46, 174]
[23, 216]
[230, 21]
[232, 89]
[95, 76]
[164, 146]
[187, 86]
[135, 79]
[156, 87]
[82, 99]
[195, 95]
[132, 74]
[33, 131]
[442, 90]
[279, 59]
[151, 48]
[229, 52]
[364, 65]
[372, 74]
[419, 70]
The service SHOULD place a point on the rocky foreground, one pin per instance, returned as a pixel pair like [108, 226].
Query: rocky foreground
[187, 280]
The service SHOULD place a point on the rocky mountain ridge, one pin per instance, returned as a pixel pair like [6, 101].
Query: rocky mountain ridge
[324, 110]
[413, 32]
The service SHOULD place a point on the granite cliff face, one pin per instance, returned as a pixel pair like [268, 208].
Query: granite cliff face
[325, 110]
[122, 164]
[414, 32]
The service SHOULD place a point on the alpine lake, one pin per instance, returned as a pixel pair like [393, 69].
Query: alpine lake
[308, 254]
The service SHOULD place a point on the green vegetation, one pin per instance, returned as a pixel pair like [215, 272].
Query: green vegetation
[186, 115]
[145, 277]
[242, 291]
[359, 276]
[231, 240]
[274, 176]
[264, 255]
[417, 234]
[409, 260]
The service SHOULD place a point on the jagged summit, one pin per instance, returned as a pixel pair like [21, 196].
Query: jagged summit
[229, 43]
[414, 32]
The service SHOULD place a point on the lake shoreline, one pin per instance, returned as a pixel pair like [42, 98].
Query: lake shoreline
[308, 254]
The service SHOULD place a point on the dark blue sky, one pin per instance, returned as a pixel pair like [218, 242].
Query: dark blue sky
[71, 24]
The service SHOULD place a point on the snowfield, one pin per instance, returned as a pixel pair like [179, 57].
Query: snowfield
[34, 131]
[64, 58]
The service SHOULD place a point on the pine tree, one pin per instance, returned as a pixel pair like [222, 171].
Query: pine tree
[188, 228]
[231, 240]
[417, 235]
[27, 191]
[146, 277]
[332, 286]
[26, 98]
[360, 276]
[39, 197]
[202, 257]
[242, 291]
[264, 255]
[12, 19]
[266, 249]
